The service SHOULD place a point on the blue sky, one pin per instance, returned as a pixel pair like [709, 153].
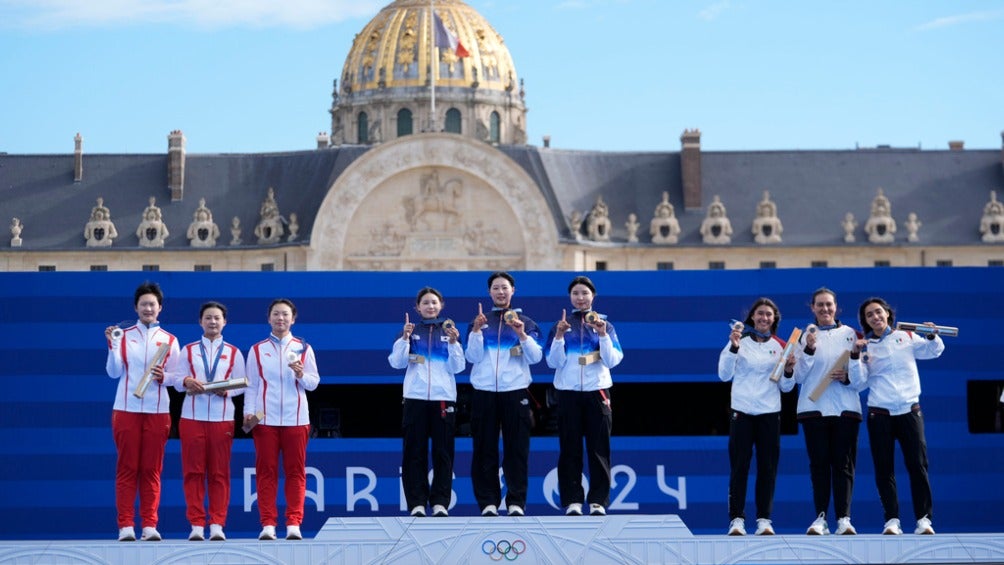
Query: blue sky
[624, 75]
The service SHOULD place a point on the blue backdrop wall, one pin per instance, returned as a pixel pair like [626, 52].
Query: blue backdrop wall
[57, 458]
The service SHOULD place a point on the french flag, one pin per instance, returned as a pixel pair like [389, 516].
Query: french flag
[446, 39]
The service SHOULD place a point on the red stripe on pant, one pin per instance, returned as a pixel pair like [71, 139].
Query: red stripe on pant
[205, 460]
[291, 442]
[139, 441]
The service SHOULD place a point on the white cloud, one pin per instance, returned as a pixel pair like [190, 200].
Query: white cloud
[713, 11]
[949, 21]
[61, 14]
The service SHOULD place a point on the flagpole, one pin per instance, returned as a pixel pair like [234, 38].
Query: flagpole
[434, 65]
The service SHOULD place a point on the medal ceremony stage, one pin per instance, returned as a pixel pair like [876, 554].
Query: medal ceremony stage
[589, 540]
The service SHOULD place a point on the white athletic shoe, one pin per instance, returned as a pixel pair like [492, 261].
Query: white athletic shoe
[924, 527]
[216, 533]
[150, 534]
[490, 510]
[892, 528]
[267, 533]
[737, 527]
[440, 511]
[597, 510]
[764, 527]
[574, 509]
[293, 532]
[127, 534]
[198, 534]
[819, 527]
[516, 510]
[844, 527]
[418, 512]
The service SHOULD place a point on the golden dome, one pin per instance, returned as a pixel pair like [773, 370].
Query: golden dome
[393, 51]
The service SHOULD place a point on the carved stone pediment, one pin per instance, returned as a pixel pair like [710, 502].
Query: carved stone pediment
[152, 231]
[269, 229]
[767, 226]
[664, 227]
[203, 231]
[992, 222]
[99, 231]
[881, 227]
[716, 229]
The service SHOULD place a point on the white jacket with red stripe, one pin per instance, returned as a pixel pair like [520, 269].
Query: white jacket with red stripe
[128, 358]
[273, 388]
[229, 361]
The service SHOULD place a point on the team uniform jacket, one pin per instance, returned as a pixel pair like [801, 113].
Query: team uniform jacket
[888, 367]
[229, 361]
[490, 351]
[273, 388]
[749, 370]
[810, 370]
[431, 362]
[128, 358]
[582, 339]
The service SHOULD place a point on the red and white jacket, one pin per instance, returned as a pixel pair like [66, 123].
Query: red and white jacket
[273, 388]
[229, 361]
[128, 358]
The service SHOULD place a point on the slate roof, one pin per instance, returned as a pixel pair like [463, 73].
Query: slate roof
[813, 190]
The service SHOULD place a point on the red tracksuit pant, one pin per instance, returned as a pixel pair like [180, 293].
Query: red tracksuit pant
[139, 440]
[291, 443]
[205, 460]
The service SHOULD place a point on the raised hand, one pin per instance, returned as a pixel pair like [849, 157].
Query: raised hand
[562, 326]
[408, 327]
[480, 320]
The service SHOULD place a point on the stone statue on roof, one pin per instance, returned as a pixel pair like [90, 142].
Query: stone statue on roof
[664, 227]
[203, 231]
[767, 226]
[632, 227]
[575, 225]
[880, 226]
[15, 232]
[152, 231]
[235, 231]
[912, 227]
[992, 223]
[716, 229]
[99, 231]
[849, 224]
[598, 221]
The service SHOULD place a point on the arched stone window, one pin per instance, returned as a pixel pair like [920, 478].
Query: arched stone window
[404, 122]
[494, 127]
[363, 128]
[453, 121]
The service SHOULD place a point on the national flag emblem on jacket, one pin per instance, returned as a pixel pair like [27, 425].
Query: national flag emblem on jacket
[446, 39]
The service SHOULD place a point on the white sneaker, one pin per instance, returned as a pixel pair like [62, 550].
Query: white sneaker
[892, 528]
[574, 509]
[516, 510]
[490, 510]
[597, 510]
[440, 511]
[924, 527]
[418, 511]
[844, 527]
[198, 534]
[150, 534]
[216, 533]
[764, 527]
[267, 533]
[293, 532]
[737, 527]
[127, 534]
[819, 526]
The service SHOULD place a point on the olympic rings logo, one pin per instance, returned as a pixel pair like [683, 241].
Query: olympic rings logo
[503, 549]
